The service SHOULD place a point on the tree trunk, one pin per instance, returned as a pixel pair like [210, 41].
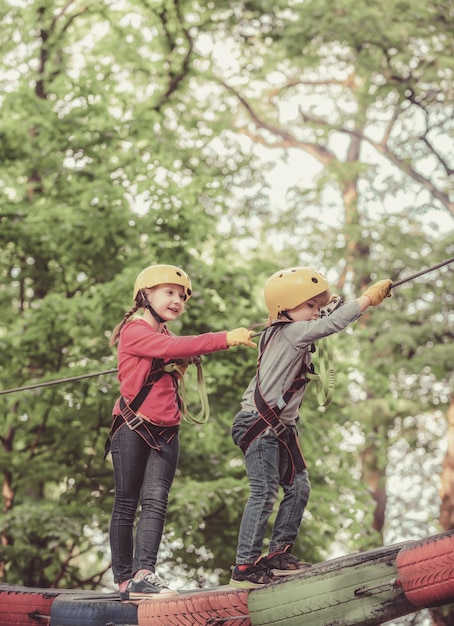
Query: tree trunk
[444, 615]
[447, 476]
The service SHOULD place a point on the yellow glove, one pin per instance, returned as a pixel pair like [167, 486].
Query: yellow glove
[379, 291]
[240, 337]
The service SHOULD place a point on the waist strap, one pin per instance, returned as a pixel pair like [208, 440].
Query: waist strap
[145, 429]
[288, 444]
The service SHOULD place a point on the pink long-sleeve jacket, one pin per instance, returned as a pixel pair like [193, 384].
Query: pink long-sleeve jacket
[139, 344]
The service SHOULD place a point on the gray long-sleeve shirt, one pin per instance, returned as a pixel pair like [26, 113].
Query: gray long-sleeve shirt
[284, 354]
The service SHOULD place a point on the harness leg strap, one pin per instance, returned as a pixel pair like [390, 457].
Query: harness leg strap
[289, 446]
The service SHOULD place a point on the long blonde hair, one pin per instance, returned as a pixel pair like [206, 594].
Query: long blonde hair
[116, 331]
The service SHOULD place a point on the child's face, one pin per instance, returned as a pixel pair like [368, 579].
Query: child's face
[307, 311]
[167, 300]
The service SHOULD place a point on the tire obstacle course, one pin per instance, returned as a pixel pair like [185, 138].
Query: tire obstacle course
[362, 589]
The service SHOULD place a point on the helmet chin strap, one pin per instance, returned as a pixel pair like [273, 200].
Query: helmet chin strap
[287, 315]
[148, 306]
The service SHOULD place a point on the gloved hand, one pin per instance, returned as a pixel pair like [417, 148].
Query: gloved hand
[240, 337]
[379, 291]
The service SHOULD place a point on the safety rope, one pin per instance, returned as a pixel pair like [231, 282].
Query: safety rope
[48, 383]
[204, 413]
[324, 379]
[200, 418]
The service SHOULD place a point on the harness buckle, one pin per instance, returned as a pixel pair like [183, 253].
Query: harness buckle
[134, 423]
[279, 429]
[281, 403]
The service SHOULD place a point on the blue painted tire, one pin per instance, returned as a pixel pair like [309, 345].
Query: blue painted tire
[90, 608]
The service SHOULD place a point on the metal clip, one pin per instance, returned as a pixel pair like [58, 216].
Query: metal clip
[279, 429]
[281, 403]
[334, 304]
[135, 422]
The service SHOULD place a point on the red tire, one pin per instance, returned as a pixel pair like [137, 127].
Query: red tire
[198, 607]
[426, 570]
[25, 606]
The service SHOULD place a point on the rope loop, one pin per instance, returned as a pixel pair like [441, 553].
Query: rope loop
[324, 380]
[204, 413]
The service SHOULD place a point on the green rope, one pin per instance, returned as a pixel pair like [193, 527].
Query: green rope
[204, 413]
[324, 380]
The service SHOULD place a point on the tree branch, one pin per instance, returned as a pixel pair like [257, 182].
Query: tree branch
[322, 154]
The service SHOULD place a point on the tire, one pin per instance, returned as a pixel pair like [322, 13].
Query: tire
[426, 570]
[354, 590]
[197, 607]
[25, 606]
[92, 609]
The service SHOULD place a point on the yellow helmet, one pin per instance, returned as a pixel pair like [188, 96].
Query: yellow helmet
[159, 274]
[291, 286]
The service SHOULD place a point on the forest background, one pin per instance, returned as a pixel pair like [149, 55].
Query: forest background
[144, 131]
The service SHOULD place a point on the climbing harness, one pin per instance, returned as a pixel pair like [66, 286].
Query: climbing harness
[150, 432]
[128, 411]
[268, 416]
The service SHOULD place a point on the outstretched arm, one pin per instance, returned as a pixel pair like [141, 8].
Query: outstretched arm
[375, 294]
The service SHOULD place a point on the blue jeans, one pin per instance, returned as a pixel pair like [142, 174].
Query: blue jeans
[145, 475]
[264, 466]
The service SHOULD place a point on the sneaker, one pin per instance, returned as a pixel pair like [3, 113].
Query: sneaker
[285, 564]
[150, 587]
[254, 576]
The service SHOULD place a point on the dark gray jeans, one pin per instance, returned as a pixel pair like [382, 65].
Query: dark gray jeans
[264, 466]
[141, 475]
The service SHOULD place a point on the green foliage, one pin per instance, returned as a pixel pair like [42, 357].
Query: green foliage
[45, 544]
[118, 150]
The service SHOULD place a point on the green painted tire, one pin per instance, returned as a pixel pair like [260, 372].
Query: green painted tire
[426, 570]
[356, 590]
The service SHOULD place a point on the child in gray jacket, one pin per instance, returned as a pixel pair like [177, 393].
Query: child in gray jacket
[265, 428]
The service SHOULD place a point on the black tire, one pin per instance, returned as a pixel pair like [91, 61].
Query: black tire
[92, 609]
[426, 570]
